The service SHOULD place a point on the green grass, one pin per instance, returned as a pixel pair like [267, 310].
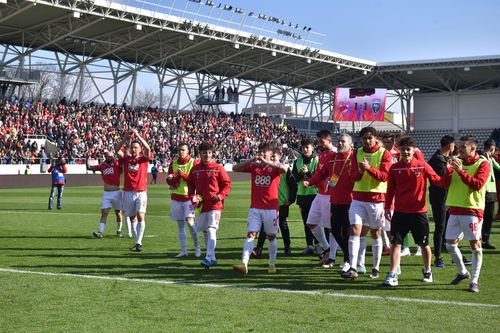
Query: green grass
[35, 239]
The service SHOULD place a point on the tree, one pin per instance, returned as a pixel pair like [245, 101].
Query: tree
[148, 98]
[52, 86]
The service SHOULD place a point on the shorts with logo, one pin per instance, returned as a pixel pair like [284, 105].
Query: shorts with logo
[320, 212]
[112, 199]
[468, 227]
[134, 202]
[207, 220]
[403, 223]
[369, 214]
[263, 217]
[181, 210]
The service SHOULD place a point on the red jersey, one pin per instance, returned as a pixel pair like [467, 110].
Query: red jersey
[208, 180]
[265, 185]
[407, 185]
[475, 182]
[324, 159]
[395, 155]
[380, 174]
[135, 171]
[110, 173]
[340, 164]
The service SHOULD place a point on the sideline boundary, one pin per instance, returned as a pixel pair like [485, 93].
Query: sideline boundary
[222, 286]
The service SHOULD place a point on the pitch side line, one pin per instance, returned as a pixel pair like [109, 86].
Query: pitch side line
[222, 286]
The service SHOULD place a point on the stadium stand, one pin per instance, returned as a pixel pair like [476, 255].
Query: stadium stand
[81, 131]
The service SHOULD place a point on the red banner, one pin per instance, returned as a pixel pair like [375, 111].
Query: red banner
[355, 104]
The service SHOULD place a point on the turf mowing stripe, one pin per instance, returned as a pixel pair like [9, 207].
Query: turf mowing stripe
[288, 291]
[99, 214]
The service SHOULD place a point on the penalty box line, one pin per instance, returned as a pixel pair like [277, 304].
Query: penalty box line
[222, 286]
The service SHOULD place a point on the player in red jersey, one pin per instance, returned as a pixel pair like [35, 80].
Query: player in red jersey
[135, 170]
[388, 140]
[110, 171]
[208, 186]
[319, 215]
[407, 188]
[264, 204]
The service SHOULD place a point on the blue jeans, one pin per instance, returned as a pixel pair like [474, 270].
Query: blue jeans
[60, 190]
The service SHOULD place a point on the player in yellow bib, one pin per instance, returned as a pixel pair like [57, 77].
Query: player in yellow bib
[466, 180]
[369, 170]
[182, 209]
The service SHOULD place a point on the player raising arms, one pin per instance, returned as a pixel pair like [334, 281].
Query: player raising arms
[135, 170]
[112, 196]
[264, 204]
[208, 186]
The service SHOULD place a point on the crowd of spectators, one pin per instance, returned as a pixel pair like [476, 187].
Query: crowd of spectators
[88, 130]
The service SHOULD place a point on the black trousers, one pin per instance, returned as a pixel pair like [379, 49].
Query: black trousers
[440, 214]
[305, 202]
[488, 220]
[340, 227]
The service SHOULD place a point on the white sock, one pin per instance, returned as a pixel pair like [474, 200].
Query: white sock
[211, 243]
[333, 246]
[353, 250]
[141, 226]
[385, 240]
[181, 233]
[119, 226]
[247, 249]
[101, 227]
[194, 233]
[377, 252]
[134, 229]
[273, 251]
[477, 262]
[456, 256]
[129, 226]
[362, 251]
[205, 238]
[320, 236]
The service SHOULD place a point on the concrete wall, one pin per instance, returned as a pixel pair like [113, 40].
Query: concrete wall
[457, 111]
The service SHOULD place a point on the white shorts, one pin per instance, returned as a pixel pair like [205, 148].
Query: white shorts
[134, 202]
[387, 225]
[112, 199]
[320, 212]
[267, 217]
[207, 220]
[181, 210]
[369, 214]
[467, 227]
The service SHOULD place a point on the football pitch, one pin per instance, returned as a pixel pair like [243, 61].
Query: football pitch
[56, 277]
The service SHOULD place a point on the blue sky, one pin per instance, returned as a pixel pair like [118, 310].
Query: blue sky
[394, 30]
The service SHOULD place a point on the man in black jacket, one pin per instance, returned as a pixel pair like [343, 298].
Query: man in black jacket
[437, 195]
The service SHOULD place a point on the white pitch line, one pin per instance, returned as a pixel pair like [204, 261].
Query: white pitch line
[285, 291]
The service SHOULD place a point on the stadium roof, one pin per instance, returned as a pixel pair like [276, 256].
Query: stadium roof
[109, 30]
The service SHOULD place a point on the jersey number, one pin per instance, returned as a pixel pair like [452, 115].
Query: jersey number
[262, 180]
